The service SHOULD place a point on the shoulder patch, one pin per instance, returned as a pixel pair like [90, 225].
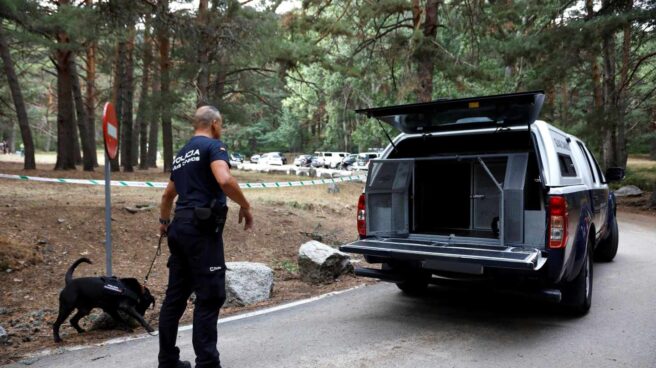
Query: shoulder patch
[222, 148]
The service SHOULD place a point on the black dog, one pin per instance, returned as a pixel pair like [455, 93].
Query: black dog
[110, 294]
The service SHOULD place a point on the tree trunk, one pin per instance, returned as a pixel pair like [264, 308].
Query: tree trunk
[127, 97]
[88, 147]
[153, 131]
[564, 95]
[12, 140]
[16, 94]
[90, 101]
[77, 151]
[134, 140]
[165, 99]
[425, 53]
[203, 80]
[652, 154]
[144, 105]
[609, 153]
[136, 131]
[65, 123]
[220, 82]
[621, 98]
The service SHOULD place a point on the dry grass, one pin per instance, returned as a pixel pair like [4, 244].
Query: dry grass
[15, 255]
[641, 162]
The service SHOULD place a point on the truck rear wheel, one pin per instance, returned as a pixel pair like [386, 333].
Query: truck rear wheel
[607, 248]
[577, 294]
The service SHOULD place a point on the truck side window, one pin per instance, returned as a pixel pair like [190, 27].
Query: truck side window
[566, 165]
[587, 159]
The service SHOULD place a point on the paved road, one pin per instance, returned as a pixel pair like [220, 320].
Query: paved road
[376, 326]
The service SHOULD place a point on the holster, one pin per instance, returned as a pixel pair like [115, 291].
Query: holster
[211, 218]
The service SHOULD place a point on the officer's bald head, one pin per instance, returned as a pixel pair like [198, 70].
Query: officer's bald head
[205, 115]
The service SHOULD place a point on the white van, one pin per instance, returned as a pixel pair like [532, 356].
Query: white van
[330, 159]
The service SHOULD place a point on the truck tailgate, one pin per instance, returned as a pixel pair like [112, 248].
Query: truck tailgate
[449, 257]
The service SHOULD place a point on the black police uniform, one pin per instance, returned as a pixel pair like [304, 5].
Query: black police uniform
[197, 262]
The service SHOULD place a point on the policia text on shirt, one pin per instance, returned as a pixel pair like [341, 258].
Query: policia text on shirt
[201, 180]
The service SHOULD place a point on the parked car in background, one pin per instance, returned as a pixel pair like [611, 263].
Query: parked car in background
[320, 158]
[303, 160]
[316, 161]
[331, 159]
[272, 158]
[479, 188]
[255, 158]
[236, 158]
[348, 161]
[362, 162]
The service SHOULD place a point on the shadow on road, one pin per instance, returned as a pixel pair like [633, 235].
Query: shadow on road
[476, 306]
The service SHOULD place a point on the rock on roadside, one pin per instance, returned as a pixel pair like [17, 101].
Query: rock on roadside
[628, 191]
[320, 263]
[104, 322]
[4, 336]
[247, 283]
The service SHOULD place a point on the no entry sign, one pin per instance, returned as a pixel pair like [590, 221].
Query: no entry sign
[110, 133]
[110, 130]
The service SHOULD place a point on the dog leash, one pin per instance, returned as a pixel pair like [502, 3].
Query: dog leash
[158, 252]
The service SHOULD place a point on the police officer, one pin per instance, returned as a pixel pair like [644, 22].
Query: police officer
[201, 180]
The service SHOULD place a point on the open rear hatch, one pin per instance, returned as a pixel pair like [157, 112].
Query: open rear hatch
[453, 211]
[500, 111]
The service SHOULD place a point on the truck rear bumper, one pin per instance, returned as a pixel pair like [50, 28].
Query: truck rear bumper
[460, 258]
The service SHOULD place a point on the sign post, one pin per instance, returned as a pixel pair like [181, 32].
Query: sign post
[110, 135]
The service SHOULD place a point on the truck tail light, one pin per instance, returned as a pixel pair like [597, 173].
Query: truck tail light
[557, 222]
[362, 216]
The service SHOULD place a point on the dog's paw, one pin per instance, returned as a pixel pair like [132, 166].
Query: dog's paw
[58, 340]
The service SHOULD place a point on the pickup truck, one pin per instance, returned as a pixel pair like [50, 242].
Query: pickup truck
[478, 188]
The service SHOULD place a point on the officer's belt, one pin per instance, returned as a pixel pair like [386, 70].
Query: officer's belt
[185, 213]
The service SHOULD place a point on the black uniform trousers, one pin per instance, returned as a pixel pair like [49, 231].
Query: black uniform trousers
[197, 265]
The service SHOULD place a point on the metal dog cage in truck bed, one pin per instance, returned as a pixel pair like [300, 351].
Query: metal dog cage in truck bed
[474, 215]
[456, 211]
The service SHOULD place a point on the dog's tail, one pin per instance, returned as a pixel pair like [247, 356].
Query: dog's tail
[69, 273]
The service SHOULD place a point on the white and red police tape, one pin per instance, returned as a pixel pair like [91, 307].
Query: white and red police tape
[158, 184]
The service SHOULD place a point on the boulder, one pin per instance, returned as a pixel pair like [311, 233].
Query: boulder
[247, 283]
[4, 336]
[333, 188]
[320, 263]
[105, 322]
[628, 191]
[140, 208]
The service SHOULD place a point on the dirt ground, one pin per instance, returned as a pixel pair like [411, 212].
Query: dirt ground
[640, 204]
[44, 227]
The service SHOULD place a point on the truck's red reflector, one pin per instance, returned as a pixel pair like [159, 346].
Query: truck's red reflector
[557, 222]
[362, 216]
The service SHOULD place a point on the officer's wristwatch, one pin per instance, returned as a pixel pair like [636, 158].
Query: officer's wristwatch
[164, 222]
